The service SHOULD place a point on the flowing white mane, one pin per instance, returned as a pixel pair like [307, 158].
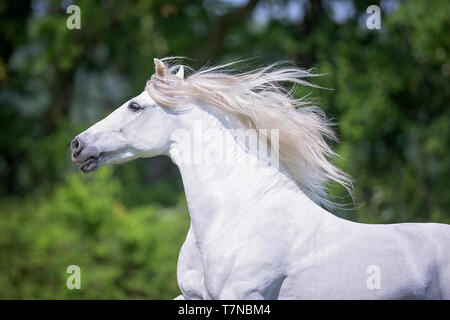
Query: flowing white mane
[258, 99]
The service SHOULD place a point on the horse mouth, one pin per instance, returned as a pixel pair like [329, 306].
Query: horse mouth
[91, 164]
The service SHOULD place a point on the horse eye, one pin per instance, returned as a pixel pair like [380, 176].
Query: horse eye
[134, 106]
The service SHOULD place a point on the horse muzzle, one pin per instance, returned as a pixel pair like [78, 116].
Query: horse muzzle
[84, 155]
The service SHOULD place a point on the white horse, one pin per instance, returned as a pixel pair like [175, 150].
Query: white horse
[258, 229]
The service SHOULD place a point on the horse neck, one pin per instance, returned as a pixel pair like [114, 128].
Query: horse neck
[245, 187]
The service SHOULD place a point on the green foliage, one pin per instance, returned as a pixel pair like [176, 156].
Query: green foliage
[392, 105]
[122, 252]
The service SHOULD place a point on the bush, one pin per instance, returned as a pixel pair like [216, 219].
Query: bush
[122, 252]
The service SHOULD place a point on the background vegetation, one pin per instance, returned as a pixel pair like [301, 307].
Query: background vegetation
[124, 225]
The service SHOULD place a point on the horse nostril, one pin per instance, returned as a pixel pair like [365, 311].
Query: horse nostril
[76, 147]
[75, 143]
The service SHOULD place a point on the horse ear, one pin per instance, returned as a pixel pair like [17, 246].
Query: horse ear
[180, 73]
[160, 69]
